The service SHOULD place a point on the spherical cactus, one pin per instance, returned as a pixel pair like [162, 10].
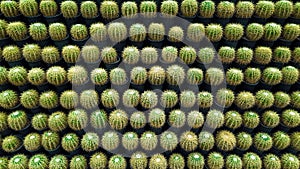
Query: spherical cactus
[271, 76]
[98, 119]
[18, 161]
[69, 99]
[131, 55]
[17, 76]
[233, 32]
[48, 8]
[189, 8]
[188, 141]
[117, 31]
[175, 34]
[215, 160]
[118, 119]
[58, 31]
[31, 52]
[138, 75]
[282, 55]
[149, 99]
[252, 75]
[234, 76]
[214, 76]
[90, 142]
[169, 9]
[262, 55]
[148, 140]
[118, 76]
[251, 160]
[264, 9]
[90, 53]
[70, 142]
[177, 119]
[131, 98]
[17, 30]
[11, 53]
[157, 118]
[244, 56]
[214, 32]
[271, 161]
[39, 122]
[245, 100]
[110, 98]
[225, 140]
[138, 160]
[11, 144]
[281, 140]
[225, 97]
[207, 9]
[36, 76]
[98, 161]
[187, 55]
[129, 9]
[148, 9]
[50, 55]
[3, 162]
[295, 144]
[138, 120]
[296, 10]
[169, 99]
[289, 161]
[30, 99]
[281, 99]
[195, 160]
[195, 32]
[233, 119]
[176, 161]
[290, 32]
[50, 140]
[272, 31]
[58, 161]
[117, 162]
[156, 75]
[77, 119]
[17, 120]
[149, 55]
[99, 76]
[226, 54]
[283, 9]
[69, 9]
[243, 141]
[168, 140]
[3, 75]
[57, 121]
[262, 141]
[250, 119]
[254, 31]
[225, 9]
[109, 10]
[56, 75]
[78, 162]
[88, 9]
[270, 119]
[233, 162]
[295, 99]
[98, 32]
[156, 31]
[110, 140]
[204, 99]
[130, 141]
[158, 161]
[79, 32]
[206, 55]
[109, 55]
[290, 118]
[195, 119]
[9, 99]
[48, 100]
[137, 32]
[89, 99]
[187, 99]
[206, 141]
[290, 75]
[32, 142]
[77, 75]
[70, 53]
[28, 8]
[244, 9]
[3, 121]
[9, 8]
[264, 99]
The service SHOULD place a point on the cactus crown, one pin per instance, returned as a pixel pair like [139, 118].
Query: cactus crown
[77, 119]
[58, 31]
[206, 55]
[225, 9]
[138, 160]
[207, 9]
[117, 161]
[189, 8]
[90, 142]
[36, 76]
[28, 7]
[252, 75]
[195, 160]
[272, 31]
[11, 53]
[234, 76]
[79, 32]
[98, 32]
[282, 55]
[206, 141]
[263, 55]
[110, 140]
[233, 32]
[264, 99]
[90, 53]
[88, 9]
[215, 160]
[295, 144]
[30, 99]
[264, 9]
[176, 34]
[58, 161]
[188, 141]
[250, 119]
[9, 99]
[109, 10]
[290, 118]
[175, 75]
[77, 75]
[109, 55]
[214, 76]
[156, 75]
[131, 98]
[17, 76]
[78, 161]
[118, 119]
[69, 99]
[9, 8]
[204, 99]
[243, 141]
[69, 9]
[89, 99]
[32, 52]
[39, 121]
[149, 55]
[187, 55]
[50, 140]
[148, 9]
[17, 120]
[10, 144]
[296, 55]
[254, 31]
[245, 100]
[98, 160]
[168, 140]
[138, 120]
[56, 75]
[177, 118]
[110, 98]
[49, 100]
[38, 31]
[157, 118]
[270, 119]
[176, 161]
[244, 9]
[290, 75]
[156, 31]
[169, 54]
[289, 161]
[281, 140]
[194, 76]
[291, 32]
[129, 9]
[283, 9]
[3, 25]
[214, 32]
[57, 121]
[137, 32]
[225, 140]
[233, 161]
[148, 140]
[226, 54]
[271, 76]
[149, 99]
[271, 161]
[225, 97]
[99, 76]
[131, 55]
[169, 8]
[98, 119]
[48, 8]
[18, 161]
[130, 140]
[281, 99]
[17, 30]
[195, 32]
[215, 118]
[263, 141]
[138, 75]
[244, 55]
[117, 31]
[118, 76]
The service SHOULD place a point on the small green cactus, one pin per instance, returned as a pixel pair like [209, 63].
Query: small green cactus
[148, 9]
[70, 142]
[17, 30]
[28, 8]
[226, 54]
[254, 31]
[39, 122]
[189, 8]
[204, 99]
[225, 140]
[69, 9]
[281, 140]
[117, 162]
[50, 140]
[90, 53]
[244, 9]
[3, 162]
[48, 8]
[264, 9]
[9, 99]
[11, 144]
[156, 31]
[251, 160]
[58, 31]
[215, 160]
[17, 120]
[89, 99]
[50, 55]
[117, 31]
[233, 120]
[30, 99]
[32, 52]
[98, 119]
[58, 161]
[98, 32]
[149, 55]
[234, 77]
[118, 119]
[175, 34]
[187, 98]
[110, 140]
[3, 122]
[88, 9]
[148, 140]
[233, 162]
[118, 76]
[295, 97]
[109, 55]
[233, 32]
[70, 53]
[138, 160]
[11, 53]
[295, 144]
[290, 118]
[206, 55]
[271, 161]
[214, 32]
[77, 75]
[129, 9]
[270, 119]
[32, 142]
[252, 75]
[245, 100]
[149, 99]
[138, 75]
[282, 55]
[48, 100]
[130, 141]
[109, 10]
[56, 75]
[169, 8]
[207, 9]
[157, 118]
[206, 141]
[138, 120]
[243, 141]
[69, 99]
[137, 32]
[169, 99]
[131, 55]
[9, 8]
[168, 140]
[215, 119]
[18, 161]
[79, 32]
[290, 32]
[176, 161]
[244, 56]
[78, 162]
[3, 75]
[131, 98]
[283, 9]
[262, 141]
[272, 31]
[90, 142]
[290, 75]
[175, 75]
[98, 161]
[77, 119]
[36, 76]
[110, 98]
[225, 97]
[177, 118]
[214, 76]
[158, 161]
[17, 76]
[289, 161]
[296, 55]
[195, 119]
[225, 9]
[99, 76]
[262, 55]
[264, 99]
[156, 75]
[250, 119]
[195, 32]
[38, 161]
[281, 99]
[187, 55]
[271, 76]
